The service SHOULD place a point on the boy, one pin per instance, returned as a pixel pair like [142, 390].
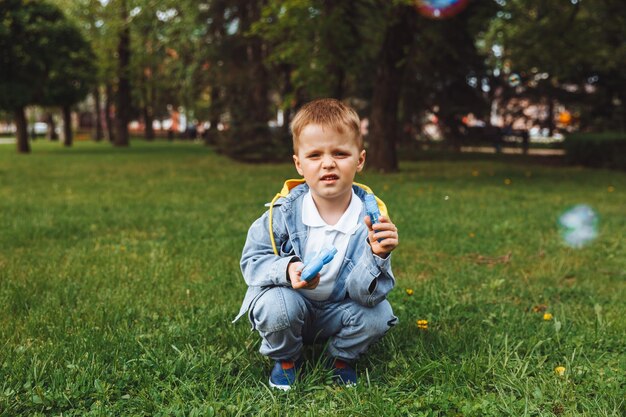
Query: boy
[346, 302]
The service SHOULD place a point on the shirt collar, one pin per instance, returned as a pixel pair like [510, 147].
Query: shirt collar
[346, 224]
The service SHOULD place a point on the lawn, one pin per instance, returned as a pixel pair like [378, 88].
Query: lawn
[119, 278]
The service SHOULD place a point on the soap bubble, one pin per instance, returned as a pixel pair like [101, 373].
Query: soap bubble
[440, 9]
[514, 80]
[579, 226]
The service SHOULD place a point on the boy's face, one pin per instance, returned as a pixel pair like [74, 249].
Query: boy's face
[328, 161]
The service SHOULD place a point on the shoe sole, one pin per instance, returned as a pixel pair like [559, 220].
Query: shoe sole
[281, 387]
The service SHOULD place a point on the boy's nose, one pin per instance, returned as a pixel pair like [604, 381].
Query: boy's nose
[328, 162]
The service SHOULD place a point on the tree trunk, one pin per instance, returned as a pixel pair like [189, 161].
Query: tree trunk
[99, 134]
[259, 101]
[210, 136]
[340, 77]
[108, 110]
[67, 126]
[386, 96]
[23, 146]
[247, 91]
[149, 108]
[217, 104]
[287, 89]
[51, 134]
[550, 115]
[123, 88]
[148, 118]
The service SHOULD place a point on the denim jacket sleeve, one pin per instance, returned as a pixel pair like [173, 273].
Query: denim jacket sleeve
[260, 266]
[371, 279]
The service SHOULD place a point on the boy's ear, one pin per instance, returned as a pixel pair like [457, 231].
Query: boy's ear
[361, 162]
[296, 162]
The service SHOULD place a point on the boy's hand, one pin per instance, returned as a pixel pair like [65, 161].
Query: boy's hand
[385, 230]
[297, 283]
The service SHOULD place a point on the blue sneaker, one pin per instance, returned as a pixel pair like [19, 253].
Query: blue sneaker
[284, 374]
[343, 373]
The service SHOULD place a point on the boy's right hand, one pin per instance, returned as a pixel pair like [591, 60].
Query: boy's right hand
[297, 283]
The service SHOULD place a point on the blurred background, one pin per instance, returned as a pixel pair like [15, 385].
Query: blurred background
[492, 75]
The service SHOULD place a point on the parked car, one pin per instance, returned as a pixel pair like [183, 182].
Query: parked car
[38, 129]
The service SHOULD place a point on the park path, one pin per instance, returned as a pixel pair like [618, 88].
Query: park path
[531, 151]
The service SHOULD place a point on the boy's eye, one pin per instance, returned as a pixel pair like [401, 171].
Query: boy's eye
[313, 155]
[341, 153]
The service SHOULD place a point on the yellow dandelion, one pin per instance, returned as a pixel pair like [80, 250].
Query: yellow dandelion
[409, 291]
[610, 189]
[559, 370]
[472, 235]
[475, 173]
[385, 187]
[422, 324]
[507, 181]
[547, 316]
[122, 248]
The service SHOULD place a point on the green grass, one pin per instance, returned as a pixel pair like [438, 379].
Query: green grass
[119, 276]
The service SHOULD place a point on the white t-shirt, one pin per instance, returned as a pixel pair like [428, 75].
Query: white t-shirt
[322, 235]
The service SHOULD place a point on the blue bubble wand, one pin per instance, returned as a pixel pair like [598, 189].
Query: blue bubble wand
[315, 265]
[371, 208]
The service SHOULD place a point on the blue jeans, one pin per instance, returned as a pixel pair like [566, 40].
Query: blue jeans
[286, 320]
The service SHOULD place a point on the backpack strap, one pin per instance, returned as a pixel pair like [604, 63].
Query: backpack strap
[271, 218]
[289, 184]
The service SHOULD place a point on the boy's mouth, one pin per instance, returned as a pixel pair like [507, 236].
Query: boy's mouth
[329, 178]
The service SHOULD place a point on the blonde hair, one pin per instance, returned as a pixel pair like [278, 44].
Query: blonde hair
[328, 113]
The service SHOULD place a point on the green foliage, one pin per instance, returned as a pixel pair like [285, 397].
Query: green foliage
[328, 46]
[445, 57]
[558, 47]
[600, 150]
[119, 275]
[556, 26]
[44, 58]
[99, 24]
[169, 56]
[73, 74]
[25, 51]
[566, 39]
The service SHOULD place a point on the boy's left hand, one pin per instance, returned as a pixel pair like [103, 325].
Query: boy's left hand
[386, 232]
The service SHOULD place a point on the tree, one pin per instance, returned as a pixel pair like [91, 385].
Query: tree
[388, 84]
[95, 23]
[123, 108]
[148, 61]
[446, 72]
[423, 64]
[561, 47]
[32, 53]
[71, 76]
[320, 48]
[371, 52]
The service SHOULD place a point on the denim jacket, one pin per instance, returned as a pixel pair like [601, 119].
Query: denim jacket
[363, 276]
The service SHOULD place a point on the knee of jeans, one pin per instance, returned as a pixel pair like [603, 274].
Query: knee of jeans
[379, 319]
[276, 310]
